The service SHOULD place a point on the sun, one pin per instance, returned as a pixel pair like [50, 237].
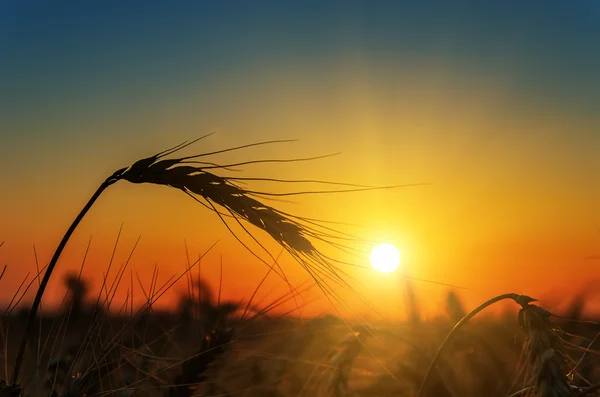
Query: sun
[385, 258]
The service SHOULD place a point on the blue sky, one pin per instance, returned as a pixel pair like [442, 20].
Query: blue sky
[61, 52]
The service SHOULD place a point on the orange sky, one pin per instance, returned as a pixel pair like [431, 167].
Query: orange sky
[494, 219]
[513, 204]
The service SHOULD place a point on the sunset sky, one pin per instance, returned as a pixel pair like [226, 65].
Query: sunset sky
[495, 106]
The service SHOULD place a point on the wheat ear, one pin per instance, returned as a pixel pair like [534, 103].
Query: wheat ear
[192, 178]
[545, 352]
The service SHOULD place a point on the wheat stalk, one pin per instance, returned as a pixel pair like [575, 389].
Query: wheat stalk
[193, 178]
[522, 300]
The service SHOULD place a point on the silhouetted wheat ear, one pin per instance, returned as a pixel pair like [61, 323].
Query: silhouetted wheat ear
[186, 175]
[546, 353]
[191, 177]
[194, 180]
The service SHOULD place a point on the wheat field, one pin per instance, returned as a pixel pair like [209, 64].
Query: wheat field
[209, 347]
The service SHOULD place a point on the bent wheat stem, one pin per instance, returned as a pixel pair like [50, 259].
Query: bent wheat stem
[457, 327]
[293, 233]
[40, 292]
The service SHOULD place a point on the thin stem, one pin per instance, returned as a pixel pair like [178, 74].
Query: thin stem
[459, 325]
[592, 389]
[521, 392]
[38, 297]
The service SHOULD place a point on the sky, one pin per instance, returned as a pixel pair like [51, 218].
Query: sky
[493, 106]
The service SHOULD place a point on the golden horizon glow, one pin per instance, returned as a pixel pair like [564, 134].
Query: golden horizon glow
[385, 258]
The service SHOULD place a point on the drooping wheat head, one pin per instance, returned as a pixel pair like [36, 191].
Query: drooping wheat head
[546, 352]
[218, 190]
[223, 196]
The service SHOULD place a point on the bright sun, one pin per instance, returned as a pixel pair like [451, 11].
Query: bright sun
[385, 258]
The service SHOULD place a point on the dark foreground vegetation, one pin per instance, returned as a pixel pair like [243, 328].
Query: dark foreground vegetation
[206, 348]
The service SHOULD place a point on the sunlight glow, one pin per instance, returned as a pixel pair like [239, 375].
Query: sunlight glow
[385, 258]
